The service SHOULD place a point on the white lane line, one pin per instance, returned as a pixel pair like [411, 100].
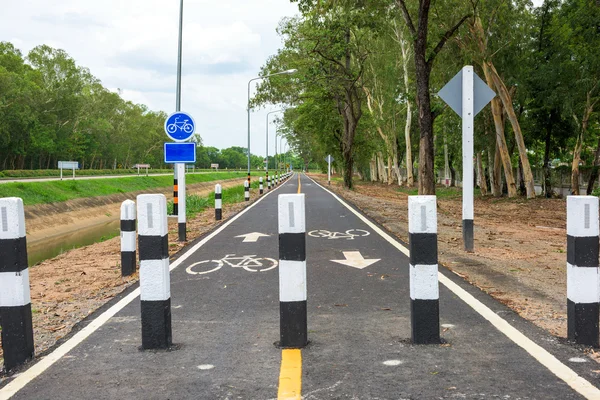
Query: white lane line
[570, 377]
[43, 364]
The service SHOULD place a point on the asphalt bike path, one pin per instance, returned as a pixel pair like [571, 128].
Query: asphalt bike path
[225, 317]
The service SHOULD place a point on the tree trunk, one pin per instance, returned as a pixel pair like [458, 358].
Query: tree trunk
[381, 168]
[594, 174]
[508, 108]
[501, 147]
[547, 170]
[481, 173]
[522, 189]
[495, 168]
[575, 165]
[373, 168]
[587, 112]
[452, 172]
[404, 47]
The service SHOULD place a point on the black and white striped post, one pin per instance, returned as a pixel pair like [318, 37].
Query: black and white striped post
[268, 182]
[15, 299]
[260, 185]
[424, 289]
[155, 291]
[292, 271]
[246, 191]
[218, 203]
[582, 270]
[128, 238]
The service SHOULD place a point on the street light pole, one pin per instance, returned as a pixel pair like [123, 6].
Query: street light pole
[267, 155]
[288, 72]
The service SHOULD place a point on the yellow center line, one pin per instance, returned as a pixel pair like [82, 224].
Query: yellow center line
[299, 185]
[290, 376]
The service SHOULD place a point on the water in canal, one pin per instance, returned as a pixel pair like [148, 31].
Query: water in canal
[51, 247]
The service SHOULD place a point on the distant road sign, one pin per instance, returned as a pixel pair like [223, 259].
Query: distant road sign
[180, 153]
[329, 159]
[214, 165]
[68, 165]
[180, 126]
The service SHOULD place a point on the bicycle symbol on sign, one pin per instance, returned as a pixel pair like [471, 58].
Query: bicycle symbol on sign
[183, 126]
[249, 263]
[350, 234]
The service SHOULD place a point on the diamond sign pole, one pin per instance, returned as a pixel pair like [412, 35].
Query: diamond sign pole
[467, 94]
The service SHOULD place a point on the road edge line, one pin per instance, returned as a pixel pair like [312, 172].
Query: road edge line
[22, 379]
[543, 356]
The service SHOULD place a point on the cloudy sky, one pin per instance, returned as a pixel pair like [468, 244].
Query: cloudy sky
[132, 45]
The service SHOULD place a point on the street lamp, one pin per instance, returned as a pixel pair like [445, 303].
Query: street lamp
[286, 158]
[267, 155]
[280, 144]
[288, 72]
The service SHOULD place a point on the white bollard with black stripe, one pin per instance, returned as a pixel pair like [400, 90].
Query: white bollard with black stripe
[260, 185]
[246, 191]
[424, 288]
[292, 271]
[155, 291]
[218, 203]
[128, 238]
[582, 270]
[15, 299]
[268, 182]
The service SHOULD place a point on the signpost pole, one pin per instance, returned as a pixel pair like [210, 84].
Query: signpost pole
[329, 171]
[467, 154]
[179, 166]
[182, 203]
[467, 94]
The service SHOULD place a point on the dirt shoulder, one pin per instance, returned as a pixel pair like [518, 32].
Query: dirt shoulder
[68, 288]
[520, 246]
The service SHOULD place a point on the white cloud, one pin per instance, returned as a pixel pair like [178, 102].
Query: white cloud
[132, 45]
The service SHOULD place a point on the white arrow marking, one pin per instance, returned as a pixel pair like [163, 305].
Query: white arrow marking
[356, 260]
[252, 237]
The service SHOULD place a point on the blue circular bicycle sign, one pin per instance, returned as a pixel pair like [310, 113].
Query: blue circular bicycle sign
[180, 126]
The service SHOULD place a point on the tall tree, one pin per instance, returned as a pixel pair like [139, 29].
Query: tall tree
[424, 58]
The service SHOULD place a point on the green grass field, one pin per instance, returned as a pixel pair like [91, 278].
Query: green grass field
[57, 191]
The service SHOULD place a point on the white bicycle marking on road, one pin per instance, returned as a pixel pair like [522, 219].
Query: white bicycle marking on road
[350, 234]
[249, 263]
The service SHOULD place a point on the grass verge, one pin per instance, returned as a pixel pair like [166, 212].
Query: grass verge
[57, 191]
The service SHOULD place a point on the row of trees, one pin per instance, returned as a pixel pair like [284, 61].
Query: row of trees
[237, 158]
[369, 71]
[51, 110]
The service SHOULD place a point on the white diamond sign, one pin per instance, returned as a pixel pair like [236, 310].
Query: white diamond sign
[452, 93]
